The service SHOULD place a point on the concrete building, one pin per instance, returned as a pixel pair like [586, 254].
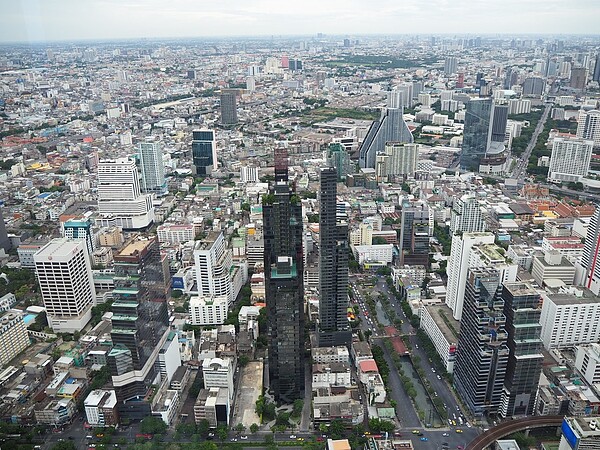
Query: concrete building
[13, 337]
[208, 310]
[175, 234]
[551, 265]
[370, 254]
[329, 355]
[570, 159]
[212, 405]
[589, 268]
[101, 408]
[580, 433]
[466, 215]
[213, 264]
[120, 199]
[64, 275]
[570, 316]
[458, 265]
[80, 230]
[587, 362]
[152, 167]
[204, 152]
[442, 329]
[55, 412]
[218, 372]
[229, 108]
[588, 126]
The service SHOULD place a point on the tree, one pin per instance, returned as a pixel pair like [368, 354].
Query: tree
[64, 445]
[283, 419]
[243, 360]
[336, 428]
[240, 428]
[222, 432]
[203, 428]
[177, 293]
[297, 408]
[253, 428]
[152, 425]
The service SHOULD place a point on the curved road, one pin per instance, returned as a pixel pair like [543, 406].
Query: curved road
[512, 426]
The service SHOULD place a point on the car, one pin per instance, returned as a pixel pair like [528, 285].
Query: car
[457, 408]
[458, 430]
[320, 439]
[424, 439]
[439, 378]
[446, 434]
[454, 422]
[398, 434]
[420, 434]
[89, 436]
[416, 346]
[293, 436]
[233, 439]
[433, 370]
[243, 438]
[459, 447]
[300, 439]
[413, 432]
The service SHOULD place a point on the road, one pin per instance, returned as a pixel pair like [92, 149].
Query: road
[521, 168]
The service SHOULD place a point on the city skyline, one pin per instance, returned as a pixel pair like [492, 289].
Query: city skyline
[34, 21]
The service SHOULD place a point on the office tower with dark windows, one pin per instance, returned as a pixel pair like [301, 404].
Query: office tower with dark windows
[482, 357]
[152, 167]
[228, 108]
[596, 75]
[533, 87]
[4, 240]
[333, 327]
[414, 236]
[139, 324]
[390, 127]
[484, 132]
[204, 152]
[522, 309]
[284, 269]
[338, 157]
[578, 78]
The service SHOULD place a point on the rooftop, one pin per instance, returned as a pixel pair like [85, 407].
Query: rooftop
[448, 325]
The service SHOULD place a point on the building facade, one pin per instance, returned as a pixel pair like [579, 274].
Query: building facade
[152, 167]
[213, 264]
[466, 215]
[204, 152]
[570, 159]
[13, 337]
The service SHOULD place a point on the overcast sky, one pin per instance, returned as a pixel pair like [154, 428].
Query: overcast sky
[50, 20]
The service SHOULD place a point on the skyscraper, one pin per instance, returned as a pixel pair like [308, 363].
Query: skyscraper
[402, 159]
[64, 274]
[588, 126]
[80, 230]
[522, 308]
[590, 260]
[4, 240]
[390, 127]
[596, 76]
[482, 354]
[458, 266]
[213, 264]
[228, 108]
[466, 216]
[533, 87]
[333, 327]
[450, 65]
[284, 269]
[152, 167]
[578, 78]
[570, 159]
[204, 152]
[484, 131]
[338, 157]
[414, 236]
[139, 324]
[120, 200]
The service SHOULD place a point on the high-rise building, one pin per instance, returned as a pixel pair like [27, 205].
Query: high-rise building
[402, 158]
[390, 127]
[588, 126]
[578, 78]
[284, 269]
[458, 266]
[64, 274]
[414, 236]
[338, 157]
[213, 264]
[522, 308]
[152, 167]
[450, 65]
[80, 230]
[204, 152]
[333, 327]
[120, 200]
[570, 317]
[533, 87]
[482, 354]
[596, 76]
[466, 216]
[4, 240]
[229, 108]
[250, 84]
[570, 159]
[13, 337]
[484, 131]
[590, 260]
[139, 324]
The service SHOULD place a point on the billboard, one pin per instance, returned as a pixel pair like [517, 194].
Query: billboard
[569, 434]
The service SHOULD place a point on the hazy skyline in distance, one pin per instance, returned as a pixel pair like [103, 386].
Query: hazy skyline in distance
[52, 20]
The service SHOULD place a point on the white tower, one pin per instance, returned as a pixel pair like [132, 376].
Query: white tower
[152, 167]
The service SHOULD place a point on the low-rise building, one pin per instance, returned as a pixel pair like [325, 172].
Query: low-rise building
[332, 374]
[208, 310]
[55, 412]
[442, 329]
[101, 408]
[13, 337]
[212, 405]
[329, 355]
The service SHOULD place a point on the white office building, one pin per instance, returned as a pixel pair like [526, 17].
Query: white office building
[442, 329]
[218, 372]
[208, 310]
[587, 362]
[588, 126]
[120, 201]
[570, 317]
[458, 266]
[365, 254]
[466, 215]
[570, 159]
[249, 174]
[152, 167]
[213, 262]
[175, 234]
[64, 274]
[13, 337]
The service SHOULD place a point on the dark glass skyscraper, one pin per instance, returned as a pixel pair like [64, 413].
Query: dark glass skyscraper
[414, 236]
[522, 308]
[333, 326]
[204, 155]
[284, 269]
[482, 354]
[139, 323]
[228, 108]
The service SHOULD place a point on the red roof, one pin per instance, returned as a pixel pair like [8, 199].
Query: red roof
[368, 365]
